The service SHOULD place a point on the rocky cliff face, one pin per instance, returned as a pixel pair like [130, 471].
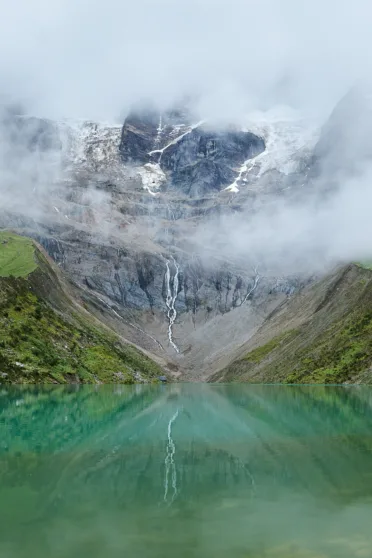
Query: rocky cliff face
[122, 210]
[194, 159]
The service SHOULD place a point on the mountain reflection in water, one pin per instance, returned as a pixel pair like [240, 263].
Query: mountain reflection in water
[186, 471]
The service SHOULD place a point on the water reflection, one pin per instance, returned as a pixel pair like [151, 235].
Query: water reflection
[186, 470]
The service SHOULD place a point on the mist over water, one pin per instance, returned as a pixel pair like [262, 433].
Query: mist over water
[193, 471]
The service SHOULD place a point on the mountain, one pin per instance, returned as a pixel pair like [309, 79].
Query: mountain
[189, 157]
[129, 213]
[47, 333]
[323, 335]
[135, 216]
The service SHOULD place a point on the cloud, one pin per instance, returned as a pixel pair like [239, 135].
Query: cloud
[80, 59]
[284, 237]
[74, 58]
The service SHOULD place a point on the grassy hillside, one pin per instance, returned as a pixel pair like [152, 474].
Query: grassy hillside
[45, 336]
[16, 255]
[323, 335]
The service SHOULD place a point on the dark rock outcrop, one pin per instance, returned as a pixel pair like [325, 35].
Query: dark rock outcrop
[203, 160]
[138, 136]
[197, 160]
[147, 129]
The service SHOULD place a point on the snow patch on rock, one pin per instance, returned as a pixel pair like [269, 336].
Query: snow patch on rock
[288, 139]
[152, 177]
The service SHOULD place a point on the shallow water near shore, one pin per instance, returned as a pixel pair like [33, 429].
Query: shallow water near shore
[186, 470]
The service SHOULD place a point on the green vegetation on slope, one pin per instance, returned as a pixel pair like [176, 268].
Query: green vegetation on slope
[257, 355]
[333, 345]
[238, 369]
[365, 265]
[339, 355]
[60, 343]
[16, 255]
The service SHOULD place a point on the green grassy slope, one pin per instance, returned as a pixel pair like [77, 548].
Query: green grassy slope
[330, 343]
[45, 336]
[16, 255]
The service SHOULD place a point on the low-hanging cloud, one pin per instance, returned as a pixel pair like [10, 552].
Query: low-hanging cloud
[308, 236]
[80, 59]
[316, 219]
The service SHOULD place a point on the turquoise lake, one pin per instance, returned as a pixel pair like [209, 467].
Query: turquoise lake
[186, 471]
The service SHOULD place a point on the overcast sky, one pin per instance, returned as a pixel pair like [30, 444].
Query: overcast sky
[93, 59]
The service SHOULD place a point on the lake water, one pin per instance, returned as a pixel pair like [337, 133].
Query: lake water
[186, 471]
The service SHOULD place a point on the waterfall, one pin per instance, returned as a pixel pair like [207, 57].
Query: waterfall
[256, 280]
[170, 300]
[159, 130]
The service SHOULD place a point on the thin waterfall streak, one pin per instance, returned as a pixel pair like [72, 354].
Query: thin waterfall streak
[170, 466]
[256, 280]
[170, 300]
